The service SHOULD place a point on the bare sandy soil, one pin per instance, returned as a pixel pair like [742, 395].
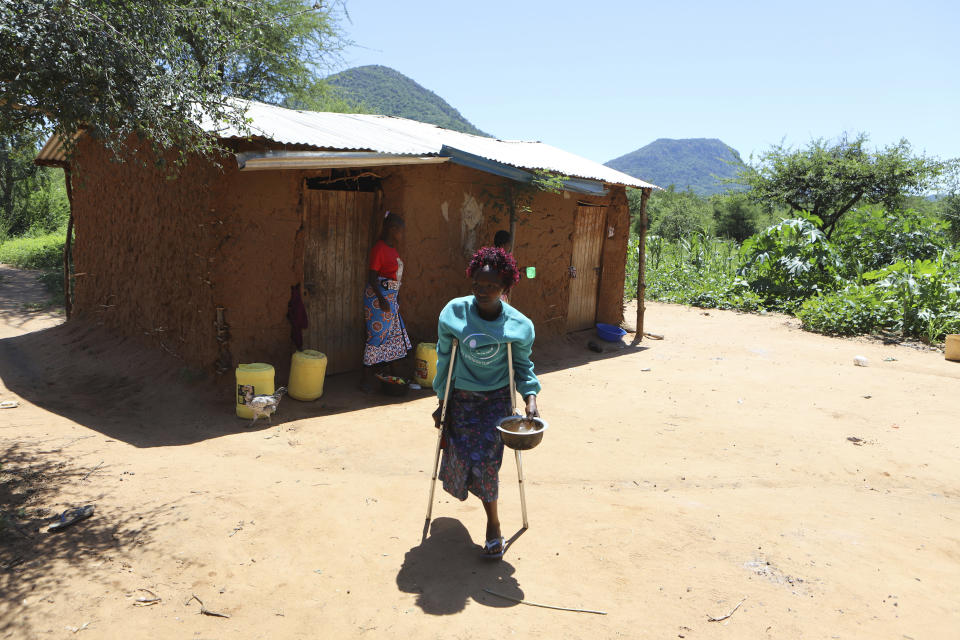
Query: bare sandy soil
[739, 460]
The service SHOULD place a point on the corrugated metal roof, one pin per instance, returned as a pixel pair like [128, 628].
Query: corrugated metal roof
[392, 135]
[52, 153]
[389, 134]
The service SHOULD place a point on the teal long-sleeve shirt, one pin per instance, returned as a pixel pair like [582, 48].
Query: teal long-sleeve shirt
[481, 362]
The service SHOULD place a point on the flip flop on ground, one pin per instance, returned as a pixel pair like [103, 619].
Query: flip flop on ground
[493, 549]
[71, 516]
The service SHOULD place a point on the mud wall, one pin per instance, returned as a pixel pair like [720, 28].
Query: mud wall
[140, 251]
[452, 210]
[156, 257]
[613, 275]
[258, 257]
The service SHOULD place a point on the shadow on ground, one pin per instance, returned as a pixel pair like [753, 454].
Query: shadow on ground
[23, 297]
[138, 392]
[446, 571]
[33, 559]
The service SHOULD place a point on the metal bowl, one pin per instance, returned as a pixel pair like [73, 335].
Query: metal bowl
[521, 433]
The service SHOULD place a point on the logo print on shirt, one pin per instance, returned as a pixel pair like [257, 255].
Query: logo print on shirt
[483, 355]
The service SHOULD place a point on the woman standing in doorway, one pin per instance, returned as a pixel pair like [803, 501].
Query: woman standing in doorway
[483, 324]
[387, 339]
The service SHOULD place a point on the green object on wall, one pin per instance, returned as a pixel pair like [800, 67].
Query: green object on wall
[531, 272]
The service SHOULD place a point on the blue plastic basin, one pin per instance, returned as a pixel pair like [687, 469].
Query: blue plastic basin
[609, 332]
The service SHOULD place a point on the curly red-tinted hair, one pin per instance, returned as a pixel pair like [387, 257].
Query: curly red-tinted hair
[498, 260]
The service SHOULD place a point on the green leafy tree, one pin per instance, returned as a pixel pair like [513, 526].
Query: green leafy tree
[949, 203]
[673, 214]
[31, 197]
[152, 69]
[735, 215]
[827, 179]
[950, 210]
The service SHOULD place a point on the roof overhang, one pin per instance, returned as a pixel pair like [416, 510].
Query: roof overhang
[576, 185]
[53, 153]
[279, 160]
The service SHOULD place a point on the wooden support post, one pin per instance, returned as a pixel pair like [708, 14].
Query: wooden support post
[67, 246]
[513, 221]
[642, 266]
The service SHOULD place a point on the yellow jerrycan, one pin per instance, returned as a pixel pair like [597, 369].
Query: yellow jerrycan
[425, 364]
[307, 370]
[254, 379]
[951, 350]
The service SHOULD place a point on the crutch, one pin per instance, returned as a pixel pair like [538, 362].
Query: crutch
[513, 409]
[443, 415]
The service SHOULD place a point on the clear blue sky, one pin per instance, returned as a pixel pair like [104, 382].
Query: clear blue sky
[601, 79]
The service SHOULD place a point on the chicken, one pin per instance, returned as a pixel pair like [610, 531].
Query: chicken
[264, 405]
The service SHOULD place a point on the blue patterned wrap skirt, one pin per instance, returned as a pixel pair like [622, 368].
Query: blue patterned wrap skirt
[387, 338]
[474, 451]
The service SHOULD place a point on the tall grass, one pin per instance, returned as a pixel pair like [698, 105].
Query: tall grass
[792, 268]
[700, 270]
[40, 252]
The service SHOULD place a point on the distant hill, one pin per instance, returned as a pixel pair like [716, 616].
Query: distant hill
[698, 163]
[388, 92]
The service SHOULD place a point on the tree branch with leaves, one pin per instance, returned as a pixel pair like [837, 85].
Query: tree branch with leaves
[827, 179]
[154, 70]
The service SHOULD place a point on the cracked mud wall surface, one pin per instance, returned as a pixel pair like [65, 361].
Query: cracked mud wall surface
[140, 249]
[452, 210]
[158, 256]
[259, 257]
[610, 302]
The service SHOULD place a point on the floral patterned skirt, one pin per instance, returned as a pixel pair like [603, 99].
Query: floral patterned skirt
[474, 451]
[387, 338]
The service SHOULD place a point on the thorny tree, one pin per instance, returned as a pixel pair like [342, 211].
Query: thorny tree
[828, 179]
[153, 69]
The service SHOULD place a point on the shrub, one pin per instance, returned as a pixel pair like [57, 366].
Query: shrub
[926, 294]
[854, 310]
[870, 238]
[918, 298]
[789, 262]
[39, 252]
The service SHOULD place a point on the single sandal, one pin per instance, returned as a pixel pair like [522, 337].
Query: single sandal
[493, 549]
[71, 516]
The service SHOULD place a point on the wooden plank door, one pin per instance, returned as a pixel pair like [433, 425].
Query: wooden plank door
[339, 234]
[585, 267]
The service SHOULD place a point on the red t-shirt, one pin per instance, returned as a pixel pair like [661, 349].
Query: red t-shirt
[383, 260]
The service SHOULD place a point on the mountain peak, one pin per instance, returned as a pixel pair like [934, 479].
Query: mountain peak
[698, 163]
[386, 91]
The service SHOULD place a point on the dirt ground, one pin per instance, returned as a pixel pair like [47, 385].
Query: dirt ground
[738, 461]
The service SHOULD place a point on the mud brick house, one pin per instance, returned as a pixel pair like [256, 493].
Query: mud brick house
[214, 253]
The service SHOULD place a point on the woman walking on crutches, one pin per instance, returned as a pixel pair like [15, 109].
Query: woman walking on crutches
[478, 329]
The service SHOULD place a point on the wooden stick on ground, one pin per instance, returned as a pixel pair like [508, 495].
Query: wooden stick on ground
[92, 470]
[732, 611]
[545, 606]
[206, 611]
